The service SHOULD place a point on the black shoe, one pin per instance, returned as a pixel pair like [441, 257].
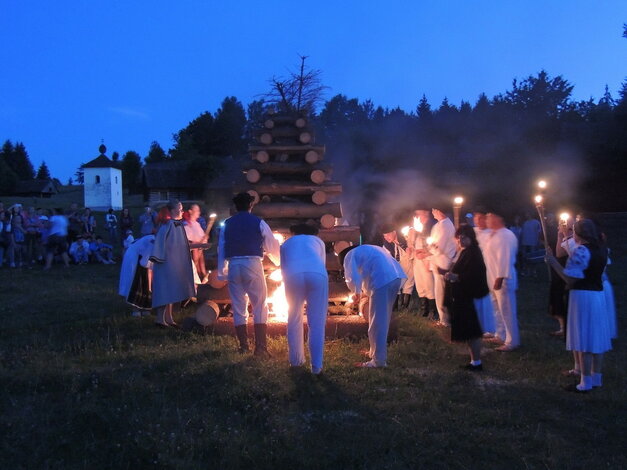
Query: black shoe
[470, 367]
[396, 302]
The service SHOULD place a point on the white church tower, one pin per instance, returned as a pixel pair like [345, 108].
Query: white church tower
[102, 183]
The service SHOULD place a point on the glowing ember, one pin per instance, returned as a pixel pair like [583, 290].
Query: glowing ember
[405, 230]
[417, 225]
[349, 300]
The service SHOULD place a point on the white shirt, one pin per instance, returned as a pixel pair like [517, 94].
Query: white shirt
[194, 231]
[58, 225]
[500, 256]
[482, 236]
[369, 267]
[303, 254]
[270, 246]
[443, 247]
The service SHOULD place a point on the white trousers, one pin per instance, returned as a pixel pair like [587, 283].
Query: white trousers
[379, 317]
[485, 313]
[423, 279]
[439, 285]
[247, 282]
[504, 304]
[312, 288]
[407, 285]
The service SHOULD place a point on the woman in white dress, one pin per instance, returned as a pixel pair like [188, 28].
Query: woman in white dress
[587, 332]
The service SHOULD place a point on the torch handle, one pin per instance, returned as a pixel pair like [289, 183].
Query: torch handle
[540, 208]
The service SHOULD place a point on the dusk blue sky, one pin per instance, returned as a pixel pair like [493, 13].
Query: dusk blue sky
[130, 72]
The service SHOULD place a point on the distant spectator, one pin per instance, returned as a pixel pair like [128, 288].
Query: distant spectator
[101, 252]
[79, 250]
[74, 221]
[111, 224]
[5, 238]
[529, 240]
[19, 237]
[88, 222]
[32, 225]
[147, 221]
[128, 240]
[57, 239]
[126, 223]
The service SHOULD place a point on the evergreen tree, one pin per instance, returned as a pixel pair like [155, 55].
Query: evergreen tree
[17, 159]
[8, 178]
[69, 181]
[155, 153]
[80, 174]
[229, 127]
[423, 110]
[115, 157]
[43, 173]
[198, 138]
[131, 167]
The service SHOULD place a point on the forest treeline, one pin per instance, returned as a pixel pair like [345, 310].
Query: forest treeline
[490, 150]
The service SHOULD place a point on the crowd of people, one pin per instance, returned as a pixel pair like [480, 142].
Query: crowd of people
[465, 278]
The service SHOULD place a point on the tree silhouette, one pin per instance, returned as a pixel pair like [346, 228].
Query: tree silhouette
[43, 173]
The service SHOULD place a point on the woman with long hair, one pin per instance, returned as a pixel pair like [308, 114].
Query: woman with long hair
[587, 328]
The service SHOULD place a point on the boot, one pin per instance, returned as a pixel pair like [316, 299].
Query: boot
[424, 307]
[406, 300]
[433, 310]
[395, 307]
[242, 336]
[261, 346]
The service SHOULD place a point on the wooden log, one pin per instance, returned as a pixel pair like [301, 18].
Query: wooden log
[278, 120]
[288, 168]
[265, 138]
[340, 246]
[318, 176]
[253, 175]
[277, 188]
[283, 225]
[300, 122]
[327, 221]
[290, 149]
[296, 210]
[262, 156]
[268, 123]
[255, 195]
[341, 233]
[312, 157]
[305, 137]
[319, 198]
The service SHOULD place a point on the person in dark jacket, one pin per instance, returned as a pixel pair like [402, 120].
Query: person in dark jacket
[465, 282]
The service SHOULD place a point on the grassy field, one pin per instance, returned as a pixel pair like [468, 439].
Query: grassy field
[84, 385]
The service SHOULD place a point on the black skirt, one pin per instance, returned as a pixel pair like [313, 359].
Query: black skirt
[140, 296]
[464, 321]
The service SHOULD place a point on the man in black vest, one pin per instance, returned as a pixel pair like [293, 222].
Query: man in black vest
[243, 241]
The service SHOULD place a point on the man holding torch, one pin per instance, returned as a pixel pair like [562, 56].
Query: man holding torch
[417, 250]
[443, 249]
[397, 247]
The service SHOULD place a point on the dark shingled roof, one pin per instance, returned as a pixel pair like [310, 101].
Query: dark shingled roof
[171, 174]
[176, 175]
[101, 161]
[35, 186]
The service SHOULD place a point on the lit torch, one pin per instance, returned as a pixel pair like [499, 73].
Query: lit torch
[405, 231]
[457, 205]
[564, 218]
[279, 237]
[417, 225]
[539, 199]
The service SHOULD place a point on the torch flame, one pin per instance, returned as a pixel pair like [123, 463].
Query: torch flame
[458, 200]
[276, 276]
[542, 184]
[213, 215]
[538, 199]
[349, 300]
[417, 225]
[564, 217]
[279, 237]
[429, 240]
[405, 230]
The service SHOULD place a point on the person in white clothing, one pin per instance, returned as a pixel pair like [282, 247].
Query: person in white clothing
[417, 250]
[500, 258]
[370, 269]
[303, 260]
[242, 243]
[484, 308]
[397, 247]
[442, 249]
